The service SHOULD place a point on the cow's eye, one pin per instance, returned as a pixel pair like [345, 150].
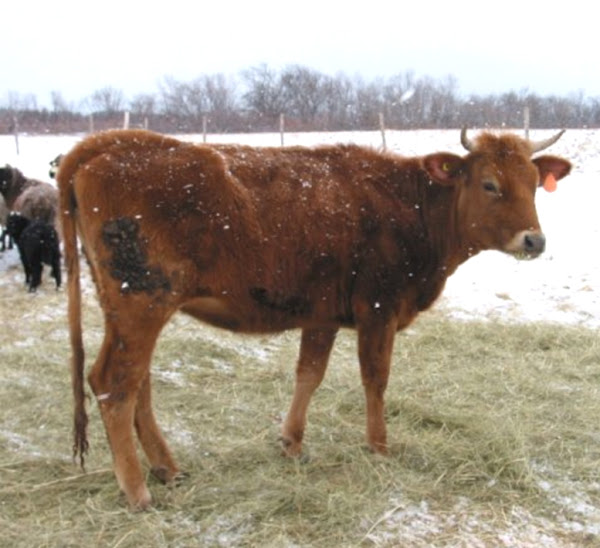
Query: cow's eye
[491, 187]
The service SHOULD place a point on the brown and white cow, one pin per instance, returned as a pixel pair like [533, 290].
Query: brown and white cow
[261, 240]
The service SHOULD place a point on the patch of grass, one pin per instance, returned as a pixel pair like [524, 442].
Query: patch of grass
[492, 427]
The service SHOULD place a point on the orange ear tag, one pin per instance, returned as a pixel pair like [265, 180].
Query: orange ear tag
[550, 183]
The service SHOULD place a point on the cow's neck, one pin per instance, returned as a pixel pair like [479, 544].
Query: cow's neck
[439, 207]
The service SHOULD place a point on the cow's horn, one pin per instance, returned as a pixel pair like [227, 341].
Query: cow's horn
[536, 146]
[465, 141]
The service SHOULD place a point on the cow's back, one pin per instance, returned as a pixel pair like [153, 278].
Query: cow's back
[251, 239]
[39, 202]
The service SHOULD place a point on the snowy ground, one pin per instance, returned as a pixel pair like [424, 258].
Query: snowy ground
[561, 286]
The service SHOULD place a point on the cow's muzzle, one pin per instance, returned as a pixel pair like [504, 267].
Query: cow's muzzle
[527, 244]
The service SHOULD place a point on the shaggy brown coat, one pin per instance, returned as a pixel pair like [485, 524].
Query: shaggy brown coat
[261, 240]
[36, 200]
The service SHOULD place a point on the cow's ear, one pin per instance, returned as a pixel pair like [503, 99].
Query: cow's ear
[552, 165]
[443, 167]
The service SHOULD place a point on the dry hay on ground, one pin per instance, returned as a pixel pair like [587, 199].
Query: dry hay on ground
[493, 432]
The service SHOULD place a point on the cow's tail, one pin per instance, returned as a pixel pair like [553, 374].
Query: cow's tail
[68, 211]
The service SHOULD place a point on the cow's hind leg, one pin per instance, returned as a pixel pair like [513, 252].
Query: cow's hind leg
[116, 379]
[55, 265]
[163, 466]
[315, 347]
[36, 275]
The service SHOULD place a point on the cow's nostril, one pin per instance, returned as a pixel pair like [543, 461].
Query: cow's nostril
[534, 242]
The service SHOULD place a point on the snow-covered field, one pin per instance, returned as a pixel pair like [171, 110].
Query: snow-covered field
[561, 286]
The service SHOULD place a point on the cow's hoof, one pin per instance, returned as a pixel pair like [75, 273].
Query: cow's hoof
[166, 476]
[378, 449]
[293, 450]
[141, 500]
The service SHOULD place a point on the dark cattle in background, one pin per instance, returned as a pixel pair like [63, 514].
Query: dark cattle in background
[34, 199]
[5, 240]
[261, 240]
[54, 166]
[38, 245]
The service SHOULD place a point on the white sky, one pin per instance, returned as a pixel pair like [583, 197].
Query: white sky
[78, 47]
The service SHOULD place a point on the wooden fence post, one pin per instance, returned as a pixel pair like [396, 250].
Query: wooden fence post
[126, 120]
[91, 121]
[382, 129]
[204, 126]
[526, 121]
[16, 132]
[281, 126]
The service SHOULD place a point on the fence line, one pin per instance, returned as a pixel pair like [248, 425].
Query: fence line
[206, 120]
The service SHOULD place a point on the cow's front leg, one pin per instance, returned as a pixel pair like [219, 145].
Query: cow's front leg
[315, 347]
[375, 343]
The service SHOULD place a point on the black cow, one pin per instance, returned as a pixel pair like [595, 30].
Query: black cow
[38, 245]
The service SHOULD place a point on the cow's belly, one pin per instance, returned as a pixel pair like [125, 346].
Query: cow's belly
[215, 312]
[250, 317]
[224, 314]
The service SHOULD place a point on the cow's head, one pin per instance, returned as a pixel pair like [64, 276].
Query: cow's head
[496, 184]
[54, 164]
[16, 224]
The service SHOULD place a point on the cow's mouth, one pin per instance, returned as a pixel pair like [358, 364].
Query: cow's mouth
[527, 245]
[524, 255]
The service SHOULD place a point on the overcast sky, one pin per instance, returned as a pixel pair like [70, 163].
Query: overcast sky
[78, 47]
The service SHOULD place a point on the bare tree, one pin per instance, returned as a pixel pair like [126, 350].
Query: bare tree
[264, 96]
[397, 94]
[188, 102]
[369, 103]
[340, 103]
[561, 110]
[592, 113]
[107, 100]
[143, 110]
[311, 101]
[143, 104]
[59, 105]
[16, 102]
[304, 93]
[183, 102]
[221, 101]
[444, 103]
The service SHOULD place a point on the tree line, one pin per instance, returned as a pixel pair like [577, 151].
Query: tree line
[310, 100]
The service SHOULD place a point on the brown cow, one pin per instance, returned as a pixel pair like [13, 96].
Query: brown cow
[261, 240]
